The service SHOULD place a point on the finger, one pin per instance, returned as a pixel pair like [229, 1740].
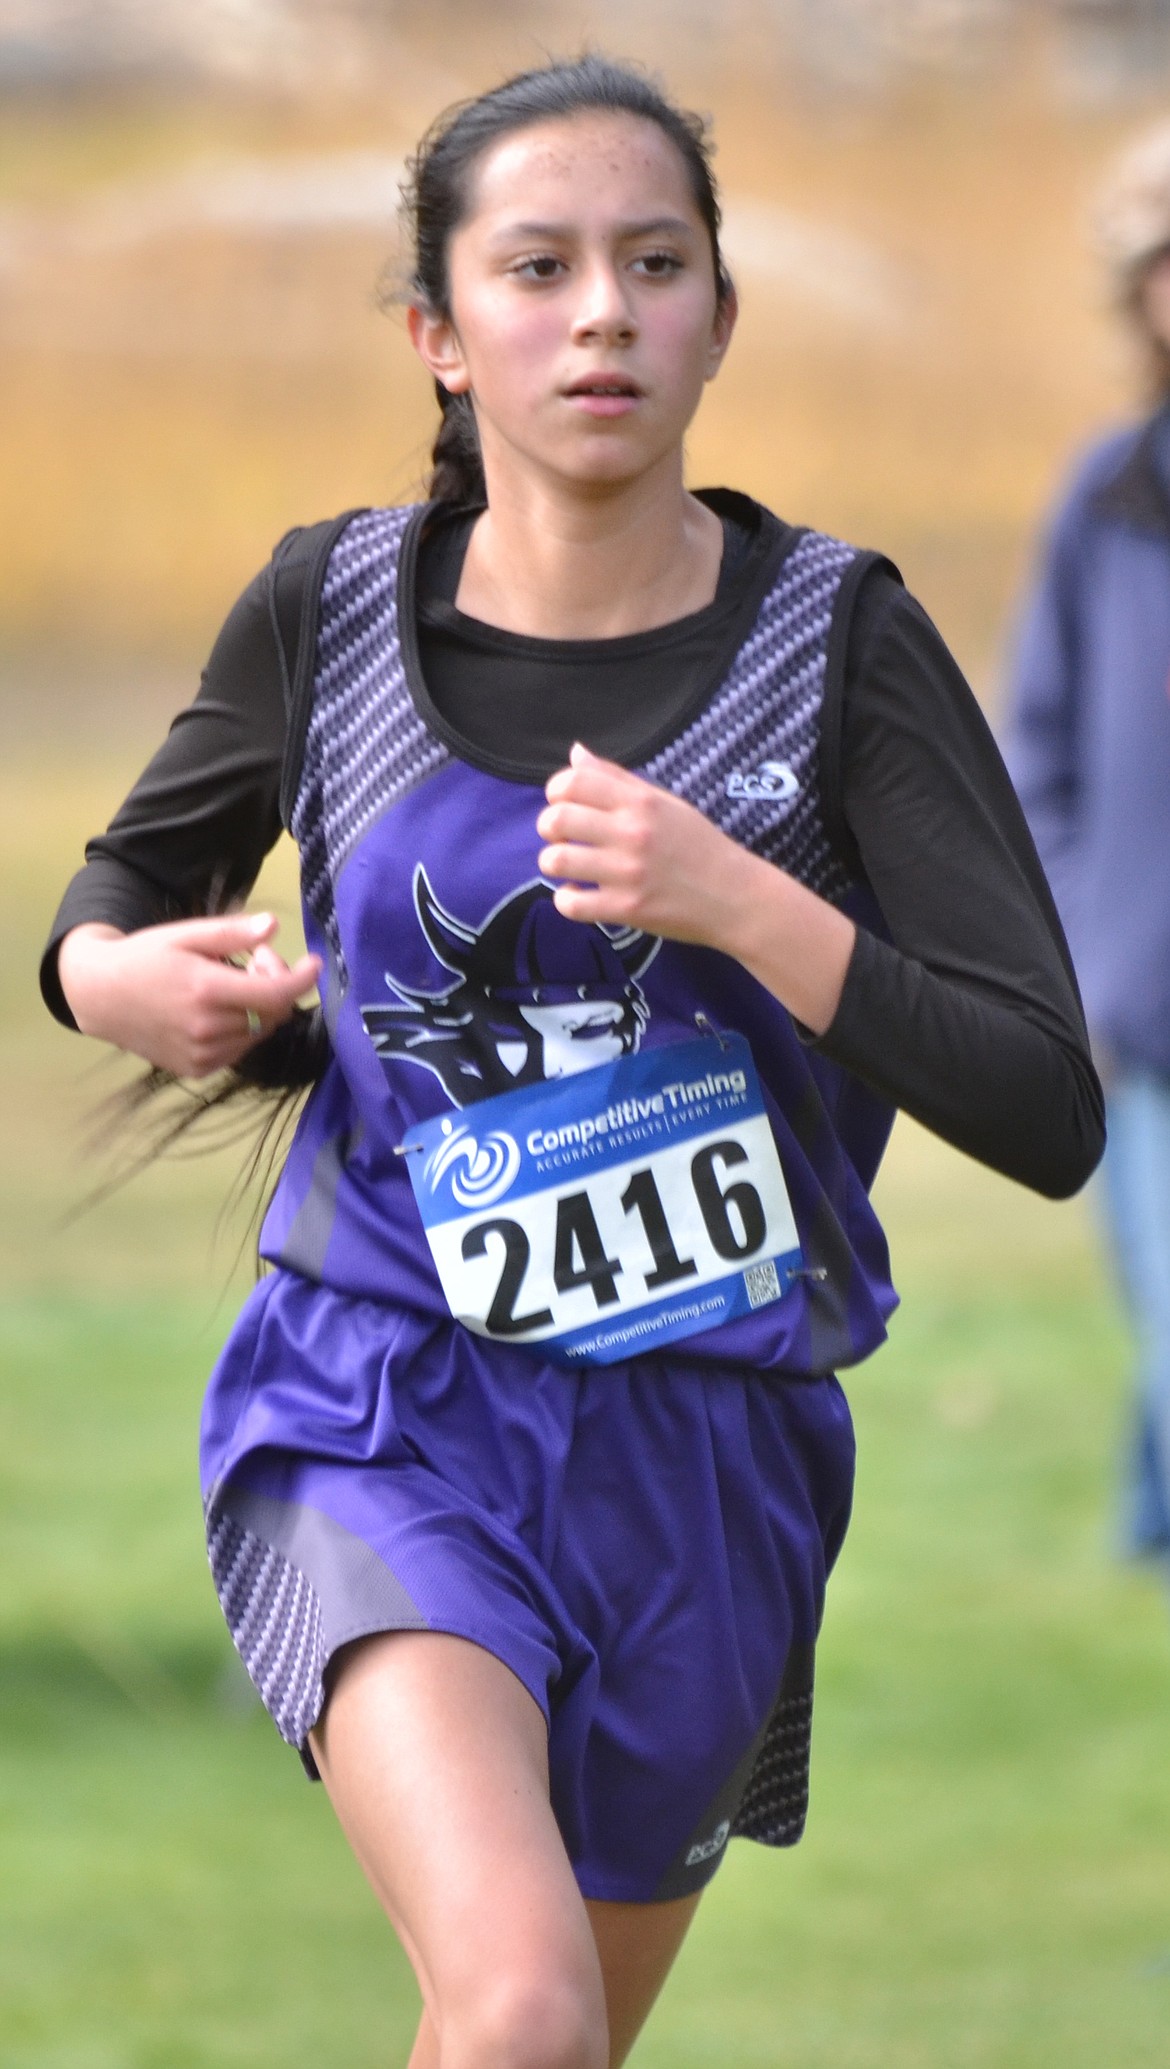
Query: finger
[583, 757]
[222, 1055]
[214, 1046]
[567, 821]
[229, 933]
[226, 986]
[226, 1032]
[592, 904]
[303, 975]
[292, 978]
[591, 783]
[583, 865]
[589, 767]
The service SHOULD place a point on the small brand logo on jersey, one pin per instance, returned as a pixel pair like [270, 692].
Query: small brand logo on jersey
[481, 1171]
[777, 780]
[707, 1849]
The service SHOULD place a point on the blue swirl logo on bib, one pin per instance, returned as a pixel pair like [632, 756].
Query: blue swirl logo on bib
[489, 1166]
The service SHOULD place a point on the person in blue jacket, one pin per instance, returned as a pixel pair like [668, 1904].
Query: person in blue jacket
[1089, 748]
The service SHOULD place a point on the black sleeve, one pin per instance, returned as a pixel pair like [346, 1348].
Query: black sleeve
[196, 827]
[969, 1016]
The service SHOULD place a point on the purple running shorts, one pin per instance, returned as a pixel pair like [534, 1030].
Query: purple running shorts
[645, 1546]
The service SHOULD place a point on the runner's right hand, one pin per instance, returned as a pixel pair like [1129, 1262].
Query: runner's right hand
[191, 996]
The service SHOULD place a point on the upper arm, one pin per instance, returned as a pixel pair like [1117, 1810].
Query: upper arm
[935, 818]
[203, 814]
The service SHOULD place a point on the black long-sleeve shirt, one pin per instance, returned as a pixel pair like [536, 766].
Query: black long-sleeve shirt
[967, 1017]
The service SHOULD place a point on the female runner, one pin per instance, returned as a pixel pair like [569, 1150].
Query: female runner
[525, 1464]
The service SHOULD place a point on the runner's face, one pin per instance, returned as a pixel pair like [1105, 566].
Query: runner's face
[584, 320]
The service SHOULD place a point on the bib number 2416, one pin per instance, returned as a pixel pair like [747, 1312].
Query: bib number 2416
[614, 1210]
[579, 1253]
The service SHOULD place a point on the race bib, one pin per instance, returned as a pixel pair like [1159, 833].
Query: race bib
[612, 1211]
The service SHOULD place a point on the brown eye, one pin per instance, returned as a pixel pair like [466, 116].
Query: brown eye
[659, 265]
[543, 266]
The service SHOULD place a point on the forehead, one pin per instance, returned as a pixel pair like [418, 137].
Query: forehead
[593, 160]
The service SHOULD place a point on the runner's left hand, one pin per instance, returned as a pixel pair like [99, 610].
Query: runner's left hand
[628, 854]
[633, 855]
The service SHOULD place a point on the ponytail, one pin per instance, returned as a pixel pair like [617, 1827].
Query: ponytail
[456, 460]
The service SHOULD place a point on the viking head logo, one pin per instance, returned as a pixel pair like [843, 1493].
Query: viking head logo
[535, 996]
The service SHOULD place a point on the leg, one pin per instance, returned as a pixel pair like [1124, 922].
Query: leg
[435, 1758]
[1137, 1173]
[637, 1944]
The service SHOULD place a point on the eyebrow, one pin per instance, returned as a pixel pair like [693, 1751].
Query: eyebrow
[654, 226]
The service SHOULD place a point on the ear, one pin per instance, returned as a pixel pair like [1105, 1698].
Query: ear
[436, 341]
[721, 331]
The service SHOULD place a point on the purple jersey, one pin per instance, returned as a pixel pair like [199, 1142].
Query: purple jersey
[451, 979]
[643, 1539]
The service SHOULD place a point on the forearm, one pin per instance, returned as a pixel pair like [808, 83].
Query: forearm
[82, 974]
[1008, 1085]
[795, 944]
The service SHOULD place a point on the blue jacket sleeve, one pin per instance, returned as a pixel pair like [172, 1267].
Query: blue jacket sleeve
[1044, 737]
[1042, 740]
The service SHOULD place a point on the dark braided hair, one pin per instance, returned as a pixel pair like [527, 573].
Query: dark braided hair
[438, 192]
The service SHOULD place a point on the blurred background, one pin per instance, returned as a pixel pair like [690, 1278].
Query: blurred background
[197, 202]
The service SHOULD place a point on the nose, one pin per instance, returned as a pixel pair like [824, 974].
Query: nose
[603, 313]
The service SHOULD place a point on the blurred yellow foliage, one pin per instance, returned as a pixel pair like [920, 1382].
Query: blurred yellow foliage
[920, 348]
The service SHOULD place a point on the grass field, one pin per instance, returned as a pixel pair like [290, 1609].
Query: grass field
[983, 1883]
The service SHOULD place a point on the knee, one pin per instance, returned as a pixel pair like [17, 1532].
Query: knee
[531, 2022]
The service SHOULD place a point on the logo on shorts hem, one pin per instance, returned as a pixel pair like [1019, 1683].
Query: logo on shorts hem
[706, 1849]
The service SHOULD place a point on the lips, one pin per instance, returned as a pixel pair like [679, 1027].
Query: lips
[605, 385]
[603, 395]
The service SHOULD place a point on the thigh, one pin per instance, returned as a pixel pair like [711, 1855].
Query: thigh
[435, 1758]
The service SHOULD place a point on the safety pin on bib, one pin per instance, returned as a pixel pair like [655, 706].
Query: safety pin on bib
[707, 1027]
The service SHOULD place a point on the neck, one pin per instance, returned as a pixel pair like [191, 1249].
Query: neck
[558, 564]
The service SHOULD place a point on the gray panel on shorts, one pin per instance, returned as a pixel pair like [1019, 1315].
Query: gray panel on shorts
[294, 1585]
[775, 1802]
[765, 1797]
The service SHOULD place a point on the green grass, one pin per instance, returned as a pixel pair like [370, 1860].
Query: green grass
[983, 1883]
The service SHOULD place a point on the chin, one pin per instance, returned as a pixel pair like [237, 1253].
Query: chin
[608, 465]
